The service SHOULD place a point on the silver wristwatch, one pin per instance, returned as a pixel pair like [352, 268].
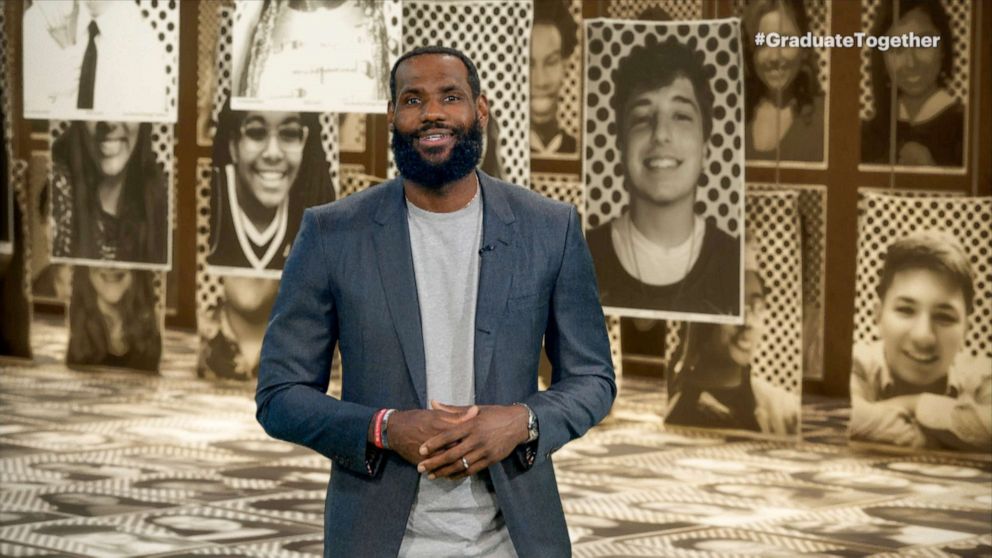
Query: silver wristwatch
[532, 431]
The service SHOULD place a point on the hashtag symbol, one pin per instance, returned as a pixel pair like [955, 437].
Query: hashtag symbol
[759, 39]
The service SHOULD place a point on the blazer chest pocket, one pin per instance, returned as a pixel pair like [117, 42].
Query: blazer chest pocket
[529, 300]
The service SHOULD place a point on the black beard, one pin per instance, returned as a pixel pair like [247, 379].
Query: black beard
[464, 157]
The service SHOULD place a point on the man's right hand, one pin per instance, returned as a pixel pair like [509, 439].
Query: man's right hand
[408, 430]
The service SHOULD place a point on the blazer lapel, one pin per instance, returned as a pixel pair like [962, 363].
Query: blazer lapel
[495, 274]
[395, 258]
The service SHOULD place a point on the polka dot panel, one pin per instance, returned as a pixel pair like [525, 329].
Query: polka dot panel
[496, 37]
[613, 330]
[208, 287]
[209, 28]
[812, 205]
[773, 219]
[569, 104]
[959, 13]
[354, 179]
[886, 218]
[677, 10]
[720, 190]
[559, 186]
[353, 131]
[164, 19]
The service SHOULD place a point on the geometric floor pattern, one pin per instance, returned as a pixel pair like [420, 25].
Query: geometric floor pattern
[103, 463]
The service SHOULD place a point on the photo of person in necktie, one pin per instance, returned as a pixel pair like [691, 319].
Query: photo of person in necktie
[100, 60]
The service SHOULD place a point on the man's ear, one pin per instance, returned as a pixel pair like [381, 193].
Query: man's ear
[390, 114]
[876, 311]
[482, 107]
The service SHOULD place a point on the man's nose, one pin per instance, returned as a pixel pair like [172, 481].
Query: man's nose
[432, 111]
[922, 334]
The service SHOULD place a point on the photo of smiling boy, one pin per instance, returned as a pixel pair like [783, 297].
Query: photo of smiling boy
[268, 168]
[915, 386]
[660, 255]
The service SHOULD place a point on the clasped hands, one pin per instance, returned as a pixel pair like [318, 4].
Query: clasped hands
[437, 440]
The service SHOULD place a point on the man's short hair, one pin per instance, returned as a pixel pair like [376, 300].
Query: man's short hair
[556, 14]
[473, 74]
[652, 67]
[934, 251]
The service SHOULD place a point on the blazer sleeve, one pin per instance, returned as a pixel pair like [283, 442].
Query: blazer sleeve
[583, 385]
[292, 401]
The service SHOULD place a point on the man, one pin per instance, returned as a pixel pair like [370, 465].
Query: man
[440, 286]
[712, 384]
[916, 386]
[661, 256]
[552, 43]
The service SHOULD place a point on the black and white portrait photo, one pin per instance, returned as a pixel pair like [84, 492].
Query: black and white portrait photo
[553, 41]
[921, 362]
[231, 332]
[784, 88]
[663, 169]
[114, 319]
[924, 89]
[110, 195]
[267, 168]
[101, 60]
[314, 55]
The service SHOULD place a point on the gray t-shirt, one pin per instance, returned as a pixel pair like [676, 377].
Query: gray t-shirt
[451, 518]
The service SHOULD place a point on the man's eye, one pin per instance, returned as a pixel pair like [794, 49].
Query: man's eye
[684, 117]
[905, 310]
[452, 98]
[411, 101]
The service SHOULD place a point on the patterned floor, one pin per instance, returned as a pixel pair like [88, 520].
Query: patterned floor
[113, 464]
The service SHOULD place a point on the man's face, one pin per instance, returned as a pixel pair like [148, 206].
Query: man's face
[547, 70]
[663, 143]
[267, 152]
[922, 322]
[741, 341]
[437, 125]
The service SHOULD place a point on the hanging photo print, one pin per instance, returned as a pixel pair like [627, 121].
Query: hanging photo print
[555, 73]
[102, 60]
[110, 191]
[314, 55]
[748, 377]
[786, 105]
[664, 168]
[921, 373]
[924, 87]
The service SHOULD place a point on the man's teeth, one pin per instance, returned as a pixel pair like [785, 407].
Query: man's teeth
[662, 163]
[270, 175]
[433, 137]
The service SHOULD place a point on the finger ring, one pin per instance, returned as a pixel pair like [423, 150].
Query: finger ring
[465, 463]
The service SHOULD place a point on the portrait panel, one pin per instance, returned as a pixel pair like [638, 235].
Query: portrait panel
[267, 168]
[101, 60]
[749, 377]
[921, 358]
[115, 319]
[555, 79]
[786, 106]
[111, 191]
[324, 56]
[812, 204]
[663, 144]
[925, 89]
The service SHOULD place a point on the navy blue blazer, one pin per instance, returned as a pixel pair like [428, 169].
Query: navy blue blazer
[349, 280]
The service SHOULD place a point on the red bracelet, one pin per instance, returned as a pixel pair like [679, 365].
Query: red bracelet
[377, 429]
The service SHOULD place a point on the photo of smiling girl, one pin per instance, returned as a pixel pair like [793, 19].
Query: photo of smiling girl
[268, 167]
[113, 319]
[784, 101]
[110, 201]
[917, 386]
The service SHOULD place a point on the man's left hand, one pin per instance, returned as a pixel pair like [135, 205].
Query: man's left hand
[486, 439]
